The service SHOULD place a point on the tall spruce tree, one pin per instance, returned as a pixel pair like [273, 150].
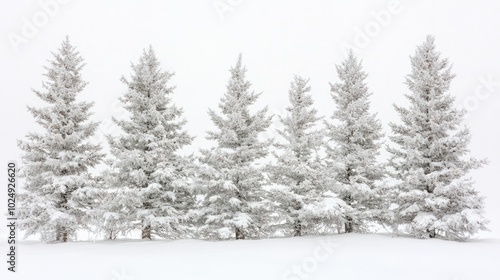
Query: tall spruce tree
[434, 195]
[297, 169]
[231, 178]
[57, 161]
[151, 181]
[355, 135]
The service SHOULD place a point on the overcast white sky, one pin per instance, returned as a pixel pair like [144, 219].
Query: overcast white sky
[200, 39]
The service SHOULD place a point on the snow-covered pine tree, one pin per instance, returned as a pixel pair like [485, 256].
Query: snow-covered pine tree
[297, 171]
[57, 161]
[231, 178]
[434, 195]
[152, 182]
[355, 141]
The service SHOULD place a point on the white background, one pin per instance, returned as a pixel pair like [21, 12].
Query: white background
[200, 40]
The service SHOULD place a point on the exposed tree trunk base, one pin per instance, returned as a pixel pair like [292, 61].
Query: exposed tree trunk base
[146, 232]
[61, 234]
[239, 234]
[297, 228]
[111, 235]
[348, 226]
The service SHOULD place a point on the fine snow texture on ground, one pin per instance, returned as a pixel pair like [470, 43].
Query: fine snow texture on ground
[346, 256]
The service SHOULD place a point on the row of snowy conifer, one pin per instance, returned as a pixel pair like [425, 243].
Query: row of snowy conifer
[318, 181]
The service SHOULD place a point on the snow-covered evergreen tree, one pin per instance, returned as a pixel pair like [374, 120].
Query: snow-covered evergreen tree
[152, 183]
[57, 161]
[355, 141]
[297, 174]
[231, 176]
[434, 195]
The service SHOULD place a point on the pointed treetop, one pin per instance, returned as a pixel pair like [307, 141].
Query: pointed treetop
[350, 55]
[352, 85]
[429, 41]
[349, 65]
[298, 89]
[239, 63]
[238, 70]
[149, 52]
[63, 73]
[429, 70]
[67, 50]
[427, 53]
[149, 55]
[66, 41]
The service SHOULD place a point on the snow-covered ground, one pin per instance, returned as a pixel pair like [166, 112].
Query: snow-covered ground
[346, 256]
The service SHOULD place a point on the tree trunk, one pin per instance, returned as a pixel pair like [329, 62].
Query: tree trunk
[61, 234]
[348, 225]
[432, 233]
[297, 228]
[146, 229]
[237, 231]
[239, 234]
[146, 232]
